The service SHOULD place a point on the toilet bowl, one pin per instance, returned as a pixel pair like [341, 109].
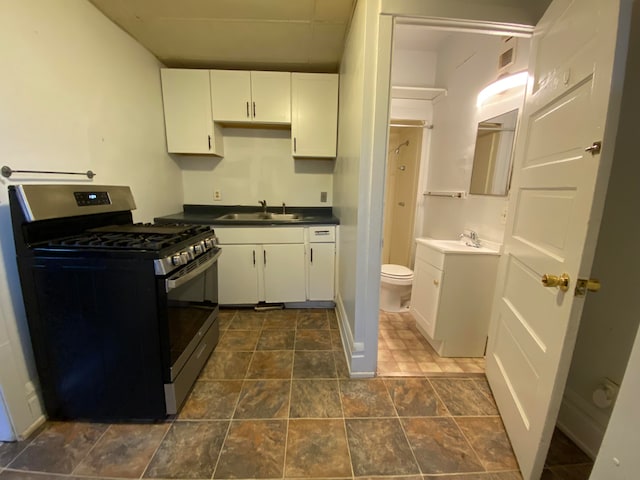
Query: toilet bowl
[395, 287]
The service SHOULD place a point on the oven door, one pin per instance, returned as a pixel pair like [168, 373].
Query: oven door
[192, 327]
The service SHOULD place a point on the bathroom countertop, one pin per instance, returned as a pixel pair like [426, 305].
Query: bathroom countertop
[457, 246]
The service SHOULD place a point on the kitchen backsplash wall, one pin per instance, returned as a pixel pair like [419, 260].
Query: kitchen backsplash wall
[257, 165]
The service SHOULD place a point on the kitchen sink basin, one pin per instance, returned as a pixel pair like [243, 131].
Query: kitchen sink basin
[260, 216]
[284, 216]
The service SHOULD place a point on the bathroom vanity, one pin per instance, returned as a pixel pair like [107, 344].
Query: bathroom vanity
[452, 295]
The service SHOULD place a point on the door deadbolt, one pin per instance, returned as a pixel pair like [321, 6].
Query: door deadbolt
[562, 281]
[584, 285]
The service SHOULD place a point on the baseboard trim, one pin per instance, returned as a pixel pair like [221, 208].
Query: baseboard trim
[34, 426]
[582, 422]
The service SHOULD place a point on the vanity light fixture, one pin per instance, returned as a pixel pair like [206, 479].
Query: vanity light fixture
[502, 85]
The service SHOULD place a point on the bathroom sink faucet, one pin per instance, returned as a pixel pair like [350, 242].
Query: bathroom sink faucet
[264, 205]
[470, 238]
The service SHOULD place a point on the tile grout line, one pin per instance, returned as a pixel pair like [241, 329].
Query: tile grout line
[91, 449]
[158, 447]
[286, 434]
[470, 445]
[404, 432]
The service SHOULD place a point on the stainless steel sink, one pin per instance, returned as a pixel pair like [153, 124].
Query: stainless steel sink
[260, 216]
[284, 216]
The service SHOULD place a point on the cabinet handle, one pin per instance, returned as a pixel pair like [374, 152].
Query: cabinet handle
[436, 283]
[254, 109]
[254, 258]
[209, 141]
[247, 109]
[294, 145]
[264, 254]
[312, 255]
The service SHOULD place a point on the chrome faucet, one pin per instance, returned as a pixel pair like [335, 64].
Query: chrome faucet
[264, 205]
[470, 238]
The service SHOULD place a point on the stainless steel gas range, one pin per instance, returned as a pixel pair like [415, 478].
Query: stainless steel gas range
[122, 316]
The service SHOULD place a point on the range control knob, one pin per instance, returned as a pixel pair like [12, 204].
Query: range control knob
[208, 243]
[176, 260]
[185, 257]
[199, 248]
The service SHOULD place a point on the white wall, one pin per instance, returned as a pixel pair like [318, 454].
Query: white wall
[257, 165]
[77, 93]
[466, 64]
[347, 166]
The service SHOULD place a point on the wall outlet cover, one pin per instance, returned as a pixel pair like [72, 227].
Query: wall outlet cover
[217, 195]
[323, 197]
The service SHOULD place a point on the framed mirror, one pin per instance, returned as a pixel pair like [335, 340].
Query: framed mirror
[493, 154]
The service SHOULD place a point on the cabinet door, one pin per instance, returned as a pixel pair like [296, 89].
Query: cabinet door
[425, 295]
[283, 267]
[230, 95]
[271, 97]
[238, 274]
[314, 114]
[321, 262]
[187, 112]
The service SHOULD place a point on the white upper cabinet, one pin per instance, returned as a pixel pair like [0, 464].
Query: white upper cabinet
[314, 115]
[259, 97]
[187, 112]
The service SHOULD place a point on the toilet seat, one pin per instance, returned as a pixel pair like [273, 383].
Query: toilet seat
[399, 272]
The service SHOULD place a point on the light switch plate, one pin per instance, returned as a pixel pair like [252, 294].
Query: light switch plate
[323, 197]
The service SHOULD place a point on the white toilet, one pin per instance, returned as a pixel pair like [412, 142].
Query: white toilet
[395, 287]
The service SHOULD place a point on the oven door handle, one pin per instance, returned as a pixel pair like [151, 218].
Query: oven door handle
[171, 283]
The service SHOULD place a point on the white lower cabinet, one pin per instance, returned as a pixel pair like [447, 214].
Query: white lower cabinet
[451, 299]
[238, 274]
[321, 271]
[276, 264]
[283, 267]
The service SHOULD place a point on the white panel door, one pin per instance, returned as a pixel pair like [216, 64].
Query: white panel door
[554, 215]
[238, 273]
[284, 279]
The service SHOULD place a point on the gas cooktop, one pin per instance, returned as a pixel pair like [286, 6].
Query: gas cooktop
[135, 236]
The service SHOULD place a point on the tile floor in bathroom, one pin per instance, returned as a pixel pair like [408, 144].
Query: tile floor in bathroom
[404, 352]
[275, 401]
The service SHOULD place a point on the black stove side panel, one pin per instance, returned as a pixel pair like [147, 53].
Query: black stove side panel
[94, 330]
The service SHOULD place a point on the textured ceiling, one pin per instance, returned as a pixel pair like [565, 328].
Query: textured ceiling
[298, 35]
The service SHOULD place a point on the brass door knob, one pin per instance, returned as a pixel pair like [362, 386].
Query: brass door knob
[562, 281]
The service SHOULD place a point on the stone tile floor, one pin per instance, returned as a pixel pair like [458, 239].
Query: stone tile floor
[275, 401]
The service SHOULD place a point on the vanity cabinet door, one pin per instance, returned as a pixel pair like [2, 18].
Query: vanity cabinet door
[425, 295]
[238, 274]
[283, 273]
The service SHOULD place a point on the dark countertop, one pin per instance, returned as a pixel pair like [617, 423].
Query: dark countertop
[208, 215]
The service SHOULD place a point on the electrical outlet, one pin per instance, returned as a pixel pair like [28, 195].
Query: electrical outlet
[323, 197]
[217, 195]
